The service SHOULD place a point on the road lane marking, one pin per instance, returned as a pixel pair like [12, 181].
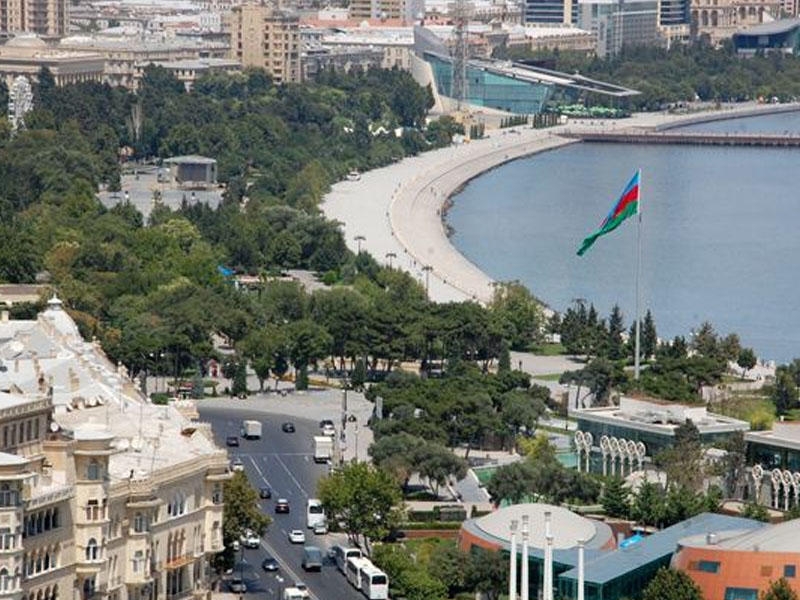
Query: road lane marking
[286, 568]
[293, 478]
[255, 464]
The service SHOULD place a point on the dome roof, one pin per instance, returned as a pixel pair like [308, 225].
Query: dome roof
[26, 41]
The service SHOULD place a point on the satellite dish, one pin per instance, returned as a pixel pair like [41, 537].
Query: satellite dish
[54, 427]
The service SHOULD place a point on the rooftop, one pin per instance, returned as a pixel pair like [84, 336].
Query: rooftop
[190, 159]
[608, 566]
[660, 417]
[92, 398]
[782, 537]
[785, 434]
[771, 28]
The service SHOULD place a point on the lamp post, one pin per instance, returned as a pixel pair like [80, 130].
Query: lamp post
[389, 257]
[359, 238]
[581, 574]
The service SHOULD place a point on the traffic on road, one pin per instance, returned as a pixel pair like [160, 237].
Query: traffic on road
[281, 460]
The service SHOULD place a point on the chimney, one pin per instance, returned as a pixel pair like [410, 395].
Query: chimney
[711, 539]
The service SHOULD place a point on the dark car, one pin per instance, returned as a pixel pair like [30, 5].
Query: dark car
[270, 564]
[288, 427]
[325, 423]
[282, 505]
[232, 441]
[265, 493]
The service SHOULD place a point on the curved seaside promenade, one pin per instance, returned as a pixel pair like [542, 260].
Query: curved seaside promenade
[394, 213]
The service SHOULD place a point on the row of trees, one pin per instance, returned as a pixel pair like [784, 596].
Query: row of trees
[682, 73]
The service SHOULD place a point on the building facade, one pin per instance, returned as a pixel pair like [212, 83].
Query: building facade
[741, 566]
[102, 494]
[49, 18]
[266, 38]
[27, 55]
[406, 11]
[718, 20]
[551, 12]
[620, 23]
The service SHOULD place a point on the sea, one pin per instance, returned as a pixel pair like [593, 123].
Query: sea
[720, 233]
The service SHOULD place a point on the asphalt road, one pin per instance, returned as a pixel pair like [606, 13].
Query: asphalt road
[284, 462]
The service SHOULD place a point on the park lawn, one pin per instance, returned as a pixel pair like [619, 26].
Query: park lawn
[548, 376]
[549, 349]
[758, 410]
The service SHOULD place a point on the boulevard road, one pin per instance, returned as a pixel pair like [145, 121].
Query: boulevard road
[284, 462]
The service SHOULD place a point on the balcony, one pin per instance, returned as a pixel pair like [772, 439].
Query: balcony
[49, 496]
[178, 562]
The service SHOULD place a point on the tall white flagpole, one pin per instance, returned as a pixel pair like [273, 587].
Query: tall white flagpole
[638, 274]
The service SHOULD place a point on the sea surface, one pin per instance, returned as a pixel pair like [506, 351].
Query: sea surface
[720, 232]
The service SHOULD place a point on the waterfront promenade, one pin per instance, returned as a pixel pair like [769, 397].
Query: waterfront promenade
[395, 212]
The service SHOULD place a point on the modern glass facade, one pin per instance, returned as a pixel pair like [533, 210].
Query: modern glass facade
[493, 90]
[564, 12]
[629, 585]
[772, 457]
[673, 12]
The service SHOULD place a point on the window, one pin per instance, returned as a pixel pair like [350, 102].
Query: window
[92, 551]
[766, 570]
[216, 495]
[93, 471]
[740, 594]
[8, 496]
[789, 571]
[140, 524]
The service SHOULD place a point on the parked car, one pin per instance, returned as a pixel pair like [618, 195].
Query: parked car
[321, 528]
[324, 423]
[282, 505]
[288, 427]
[237, 585]
[237, 464]
[329, 430]
[249, 539]
[297, 536]
[270, 564]
[265, 492]
[232, 441]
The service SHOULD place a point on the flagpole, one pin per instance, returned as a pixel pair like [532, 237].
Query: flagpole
[638, 273]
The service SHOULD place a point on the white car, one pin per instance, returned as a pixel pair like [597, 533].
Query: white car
[329, 430]
[297, 536]
[249, 539]
[237, 464]
[321, 528]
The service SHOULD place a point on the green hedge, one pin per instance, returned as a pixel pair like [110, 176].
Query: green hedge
[430, 525]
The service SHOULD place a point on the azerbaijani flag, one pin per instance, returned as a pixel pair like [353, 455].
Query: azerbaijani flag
[626, 206]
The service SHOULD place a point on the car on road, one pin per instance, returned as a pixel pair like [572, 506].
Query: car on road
[297, 536]
[321, 528]
[282, 505]
[288, 427]
[237, 585]
[265, 492]
[232, 441]
[329, 430]
[312, 558]
[270, 564]
[249, 539]
[237, 464]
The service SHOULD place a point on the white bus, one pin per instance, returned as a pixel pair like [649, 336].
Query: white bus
[315, 514]
[341, 554]
[374, 583]
[355, 567]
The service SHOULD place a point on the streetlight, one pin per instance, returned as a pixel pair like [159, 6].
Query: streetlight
[427, 269]
[390, 256]
[359, 238]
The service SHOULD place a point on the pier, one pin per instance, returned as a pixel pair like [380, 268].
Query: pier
[686, 138]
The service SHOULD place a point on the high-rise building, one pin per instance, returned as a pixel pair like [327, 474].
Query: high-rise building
[620, 23]
[407, 11]
[48, 18]
[267, 38]
[551, 12]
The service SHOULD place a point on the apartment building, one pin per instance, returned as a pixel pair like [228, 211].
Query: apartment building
[102, 494]
[266, 38]
[49, 18]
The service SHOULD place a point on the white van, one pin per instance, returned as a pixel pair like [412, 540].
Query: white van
[315, 513]
[341, 555]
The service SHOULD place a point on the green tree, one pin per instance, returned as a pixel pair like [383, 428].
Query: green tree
[669, 584]
[648, 504]
[511, 482]
[616, 327]
[616, 498]
[239, 387]
[487, 573]
[242, 511]
[779, 590]
[520, 312]
[756, 512]
[746, 360]
[363, 498]
[784, 390]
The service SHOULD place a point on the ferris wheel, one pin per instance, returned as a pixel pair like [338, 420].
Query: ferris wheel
[20, 101]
